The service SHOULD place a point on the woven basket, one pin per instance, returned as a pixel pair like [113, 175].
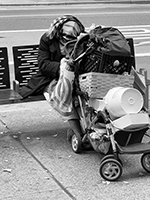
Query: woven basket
[98, 84]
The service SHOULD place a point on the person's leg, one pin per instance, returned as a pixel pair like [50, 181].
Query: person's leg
[73, 119]
[75, 125]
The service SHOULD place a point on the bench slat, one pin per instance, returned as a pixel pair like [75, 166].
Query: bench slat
[26, 65]
[7, 95]
[4, 69]
[25, 62]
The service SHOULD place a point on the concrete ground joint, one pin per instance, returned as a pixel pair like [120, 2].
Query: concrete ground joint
[43, 167]
[4, 124]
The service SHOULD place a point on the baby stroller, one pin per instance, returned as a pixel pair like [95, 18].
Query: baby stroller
[109, 127]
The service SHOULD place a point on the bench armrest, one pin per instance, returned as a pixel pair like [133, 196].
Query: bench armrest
[16, 85]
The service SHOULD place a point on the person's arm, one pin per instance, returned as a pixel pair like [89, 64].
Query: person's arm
[49, 63]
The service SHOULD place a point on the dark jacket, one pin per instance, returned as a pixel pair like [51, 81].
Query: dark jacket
[49, 57]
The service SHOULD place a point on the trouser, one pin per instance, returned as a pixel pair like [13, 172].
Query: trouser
[73, 119]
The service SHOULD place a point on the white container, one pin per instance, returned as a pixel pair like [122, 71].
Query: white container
[121, 101]
[132, 121]
[97, 104]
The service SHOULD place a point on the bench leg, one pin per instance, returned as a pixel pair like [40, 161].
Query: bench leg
[16, 86]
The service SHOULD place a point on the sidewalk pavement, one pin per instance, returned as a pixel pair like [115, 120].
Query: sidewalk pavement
[37, 163]
[62, 2]
[30, 156]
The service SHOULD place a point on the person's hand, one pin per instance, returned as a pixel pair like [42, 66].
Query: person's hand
[67, 64]
[70, 64]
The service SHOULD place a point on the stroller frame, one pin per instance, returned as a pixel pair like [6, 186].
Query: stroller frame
[111, 167]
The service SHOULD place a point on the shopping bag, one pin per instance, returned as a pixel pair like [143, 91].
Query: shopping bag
[111, 41]
[61, 91]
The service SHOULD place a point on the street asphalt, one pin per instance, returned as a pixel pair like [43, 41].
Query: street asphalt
[37, 163]
[54, 2]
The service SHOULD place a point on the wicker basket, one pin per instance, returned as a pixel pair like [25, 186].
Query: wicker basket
[98, 84]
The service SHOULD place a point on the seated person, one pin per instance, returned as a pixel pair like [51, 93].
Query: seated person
[51, 52]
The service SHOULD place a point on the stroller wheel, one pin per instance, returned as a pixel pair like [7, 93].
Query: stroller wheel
[107, 157]
[145, 161]
[76, 143]
[110, 169]
[111, 156]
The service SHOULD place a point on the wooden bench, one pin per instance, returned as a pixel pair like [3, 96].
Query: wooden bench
[7, 95]
[25, 66]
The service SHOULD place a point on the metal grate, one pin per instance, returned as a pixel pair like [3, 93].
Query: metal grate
[25, 62]
[4, 69]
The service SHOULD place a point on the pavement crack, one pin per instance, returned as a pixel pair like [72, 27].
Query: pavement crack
[47, 170]
[4, 124]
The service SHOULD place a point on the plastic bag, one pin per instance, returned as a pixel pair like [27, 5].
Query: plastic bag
[110, 40]
[61, 91]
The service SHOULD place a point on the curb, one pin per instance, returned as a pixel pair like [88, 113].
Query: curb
[79, 2]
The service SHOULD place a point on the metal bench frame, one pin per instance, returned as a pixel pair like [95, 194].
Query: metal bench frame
[25, 65]
[7, 95]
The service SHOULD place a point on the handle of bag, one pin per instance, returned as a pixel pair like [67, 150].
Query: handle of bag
[87, 51]
[77, 43]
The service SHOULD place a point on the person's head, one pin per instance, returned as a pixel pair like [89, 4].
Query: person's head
[65, 28]
[69, 31]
